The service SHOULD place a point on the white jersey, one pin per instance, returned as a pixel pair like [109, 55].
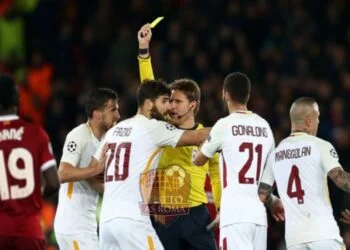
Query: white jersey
[300, 165]
[245, 140]
[76, 211]
[134, 149]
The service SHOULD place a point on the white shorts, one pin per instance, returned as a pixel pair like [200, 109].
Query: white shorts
[123, 233]
[319, 245]
[77, 242]
[243, 236]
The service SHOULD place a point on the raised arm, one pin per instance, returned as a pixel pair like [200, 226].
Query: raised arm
[341, 178]
[145, 65]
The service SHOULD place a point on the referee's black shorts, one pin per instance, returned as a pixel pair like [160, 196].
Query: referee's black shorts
[187, 231]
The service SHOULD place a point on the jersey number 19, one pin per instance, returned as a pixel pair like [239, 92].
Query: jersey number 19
[24, 172]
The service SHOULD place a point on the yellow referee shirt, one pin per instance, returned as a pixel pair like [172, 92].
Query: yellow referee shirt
[180, 182]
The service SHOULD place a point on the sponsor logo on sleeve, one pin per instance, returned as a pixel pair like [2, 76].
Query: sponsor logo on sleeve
[72, 146]
[209, 138]
[170, 127]
[333, 153]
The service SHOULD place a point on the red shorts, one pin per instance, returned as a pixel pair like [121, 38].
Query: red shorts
[19, 243]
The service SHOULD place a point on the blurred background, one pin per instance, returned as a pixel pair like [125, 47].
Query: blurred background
[59, 49]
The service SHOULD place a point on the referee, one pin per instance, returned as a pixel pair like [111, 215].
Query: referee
[179, 211]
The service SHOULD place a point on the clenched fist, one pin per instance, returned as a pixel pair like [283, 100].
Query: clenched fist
[144, 36]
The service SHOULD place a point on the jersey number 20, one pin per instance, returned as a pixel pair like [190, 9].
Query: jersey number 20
[122, 159]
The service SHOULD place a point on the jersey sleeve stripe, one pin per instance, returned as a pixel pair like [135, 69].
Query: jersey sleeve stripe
[148, 166]
[150, 242]
[48, 164]
[70, 190]
[76, 245]
[224, 171]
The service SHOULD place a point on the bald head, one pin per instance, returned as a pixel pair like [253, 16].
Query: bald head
[302, 108]
[304, 115]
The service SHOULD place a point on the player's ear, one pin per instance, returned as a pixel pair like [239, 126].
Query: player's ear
[193, 105]
[96, 113]
[226, 96]
[148, 104]
[308, 121]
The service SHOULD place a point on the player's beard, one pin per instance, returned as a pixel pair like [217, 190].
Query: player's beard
[105, 126]
[155, 114]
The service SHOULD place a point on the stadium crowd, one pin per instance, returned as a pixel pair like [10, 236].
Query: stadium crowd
[58, 50]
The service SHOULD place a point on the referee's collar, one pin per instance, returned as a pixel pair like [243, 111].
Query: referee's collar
[193, 128]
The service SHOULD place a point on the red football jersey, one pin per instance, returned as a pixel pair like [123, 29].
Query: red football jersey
[25, 151]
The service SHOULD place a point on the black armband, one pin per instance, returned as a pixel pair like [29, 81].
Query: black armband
[143, 51]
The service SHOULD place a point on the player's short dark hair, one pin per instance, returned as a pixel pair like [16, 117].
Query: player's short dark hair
[97, 99]
[238, 86]
[151, 89]
[9, 97]
[190, 89]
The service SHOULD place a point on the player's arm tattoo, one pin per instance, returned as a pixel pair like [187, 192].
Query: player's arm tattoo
[265, 193]
[341, 178]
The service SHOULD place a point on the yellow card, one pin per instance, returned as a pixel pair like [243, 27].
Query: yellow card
[156, 21]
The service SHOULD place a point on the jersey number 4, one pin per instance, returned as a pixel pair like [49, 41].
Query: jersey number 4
[295, 179]
[21, 168]
[122, 159]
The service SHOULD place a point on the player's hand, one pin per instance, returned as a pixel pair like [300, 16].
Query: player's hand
[100, 177]
[215, 222]
[345, 216]
[144, 36]
[277, 210]
[103, 157]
